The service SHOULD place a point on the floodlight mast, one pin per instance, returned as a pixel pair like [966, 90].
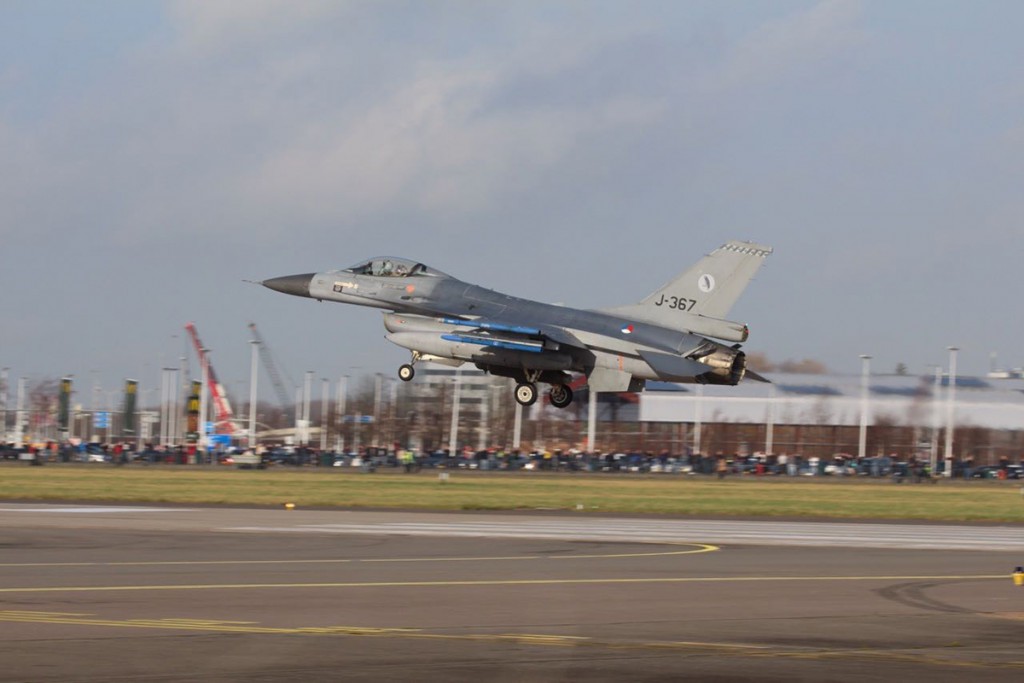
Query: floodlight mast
[225, 416]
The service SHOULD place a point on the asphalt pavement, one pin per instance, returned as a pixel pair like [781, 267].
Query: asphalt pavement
[123, 593]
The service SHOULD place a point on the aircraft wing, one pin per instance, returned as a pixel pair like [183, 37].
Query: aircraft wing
[561, 335]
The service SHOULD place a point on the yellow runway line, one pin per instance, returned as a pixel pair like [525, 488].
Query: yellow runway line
[494, 582]
[693, 549]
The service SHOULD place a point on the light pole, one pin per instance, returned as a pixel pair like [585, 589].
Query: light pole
[172, 409]
[325, 406]
[3, 403]
[204, 403]
[865, 377]
[96, 390]
[494, 409]
[933, 461]
[168, 391]
[253, 378]
[591, 421]
[182, 390]
[163, 405]
[392, 435]
[306, 391]
[340, 410]
[71, 417]
[358, 414]
[482, 427]
[167, 406]
[377, 381]
[697, 420]
[453, 437]
[517, 426]
[297, 438]
[19, 416]
[950, 399]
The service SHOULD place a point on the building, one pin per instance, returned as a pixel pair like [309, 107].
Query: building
[816, 414]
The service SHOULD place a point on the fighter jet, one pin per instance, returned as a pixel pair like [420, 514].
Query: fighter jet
[678, 334]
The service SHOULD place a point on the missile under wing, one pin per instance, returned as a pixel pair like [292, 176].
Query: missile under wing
[679, 333]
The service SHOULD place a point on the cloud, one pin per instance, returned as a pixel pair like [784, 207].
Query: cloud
[211, 25]
[431, 145]
[795, 43]
[322, 128]
[254, 117]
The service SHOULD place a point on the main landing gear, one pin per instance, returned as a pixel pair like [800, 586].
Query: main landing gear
[560, 394]
[526, 393]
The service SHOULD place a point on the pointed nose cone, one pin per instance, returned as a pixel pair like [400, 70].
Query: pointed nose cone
[296, 285]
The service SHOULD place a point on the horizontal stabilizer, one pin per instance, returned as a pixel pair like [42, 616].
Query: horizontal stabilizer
[533, 347]
[674, 368]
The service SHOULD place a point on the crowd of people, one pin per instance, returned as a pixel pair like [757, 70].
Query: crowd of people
[915, 468]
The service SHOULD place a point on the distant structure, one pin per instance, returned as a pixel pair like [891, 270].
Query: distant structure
[483, 404]
[990, 402]
[820, 414]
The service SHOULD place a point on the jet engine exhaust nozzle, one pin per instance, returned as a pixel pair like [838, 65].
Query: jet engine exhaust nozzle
[729, 366]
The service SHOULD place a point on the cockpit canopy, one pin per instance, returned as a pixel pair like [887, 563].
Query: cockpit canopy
[389, 266]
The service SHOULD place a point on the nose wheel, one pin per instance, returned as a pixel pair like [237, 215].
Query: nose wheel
[406, 372]
[526, 393]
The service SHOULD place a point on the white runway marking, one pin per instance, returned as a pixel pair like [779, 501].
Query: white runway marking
[694, 531]
[89, 510]
[566, 527]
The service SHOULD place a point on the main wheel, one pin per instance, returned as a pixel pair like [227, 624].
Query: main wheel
[406, 372]
[526, 394]
[560, 395]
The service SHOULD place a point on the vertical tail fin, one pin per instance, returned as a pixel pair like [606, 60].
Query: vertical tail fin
[714, 283]
[706, 290]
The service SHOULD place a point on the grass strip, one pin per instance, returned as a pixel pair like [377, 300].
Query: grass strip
[663, 495]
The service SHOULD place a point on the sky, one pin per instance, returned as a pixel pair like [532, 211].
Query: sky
[155, 155]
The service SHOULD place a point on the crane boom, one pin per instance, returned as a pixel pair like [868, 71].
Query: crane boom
[225, 417]
[283, 395]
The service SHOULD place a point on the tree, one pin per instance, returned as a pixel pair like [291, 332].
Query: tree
[42, 405]
[807, 366]
[759, 362]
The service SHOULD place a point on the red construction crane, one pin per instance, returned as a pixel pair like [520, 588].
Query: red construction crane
[224, 424]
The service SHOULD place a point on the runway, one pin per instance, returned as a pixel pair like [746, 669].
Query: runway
[91, 593]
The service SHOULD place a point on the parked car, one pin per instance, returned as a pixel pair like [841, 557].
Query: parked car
[992, 472]
[10, 452]
[93, 452]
